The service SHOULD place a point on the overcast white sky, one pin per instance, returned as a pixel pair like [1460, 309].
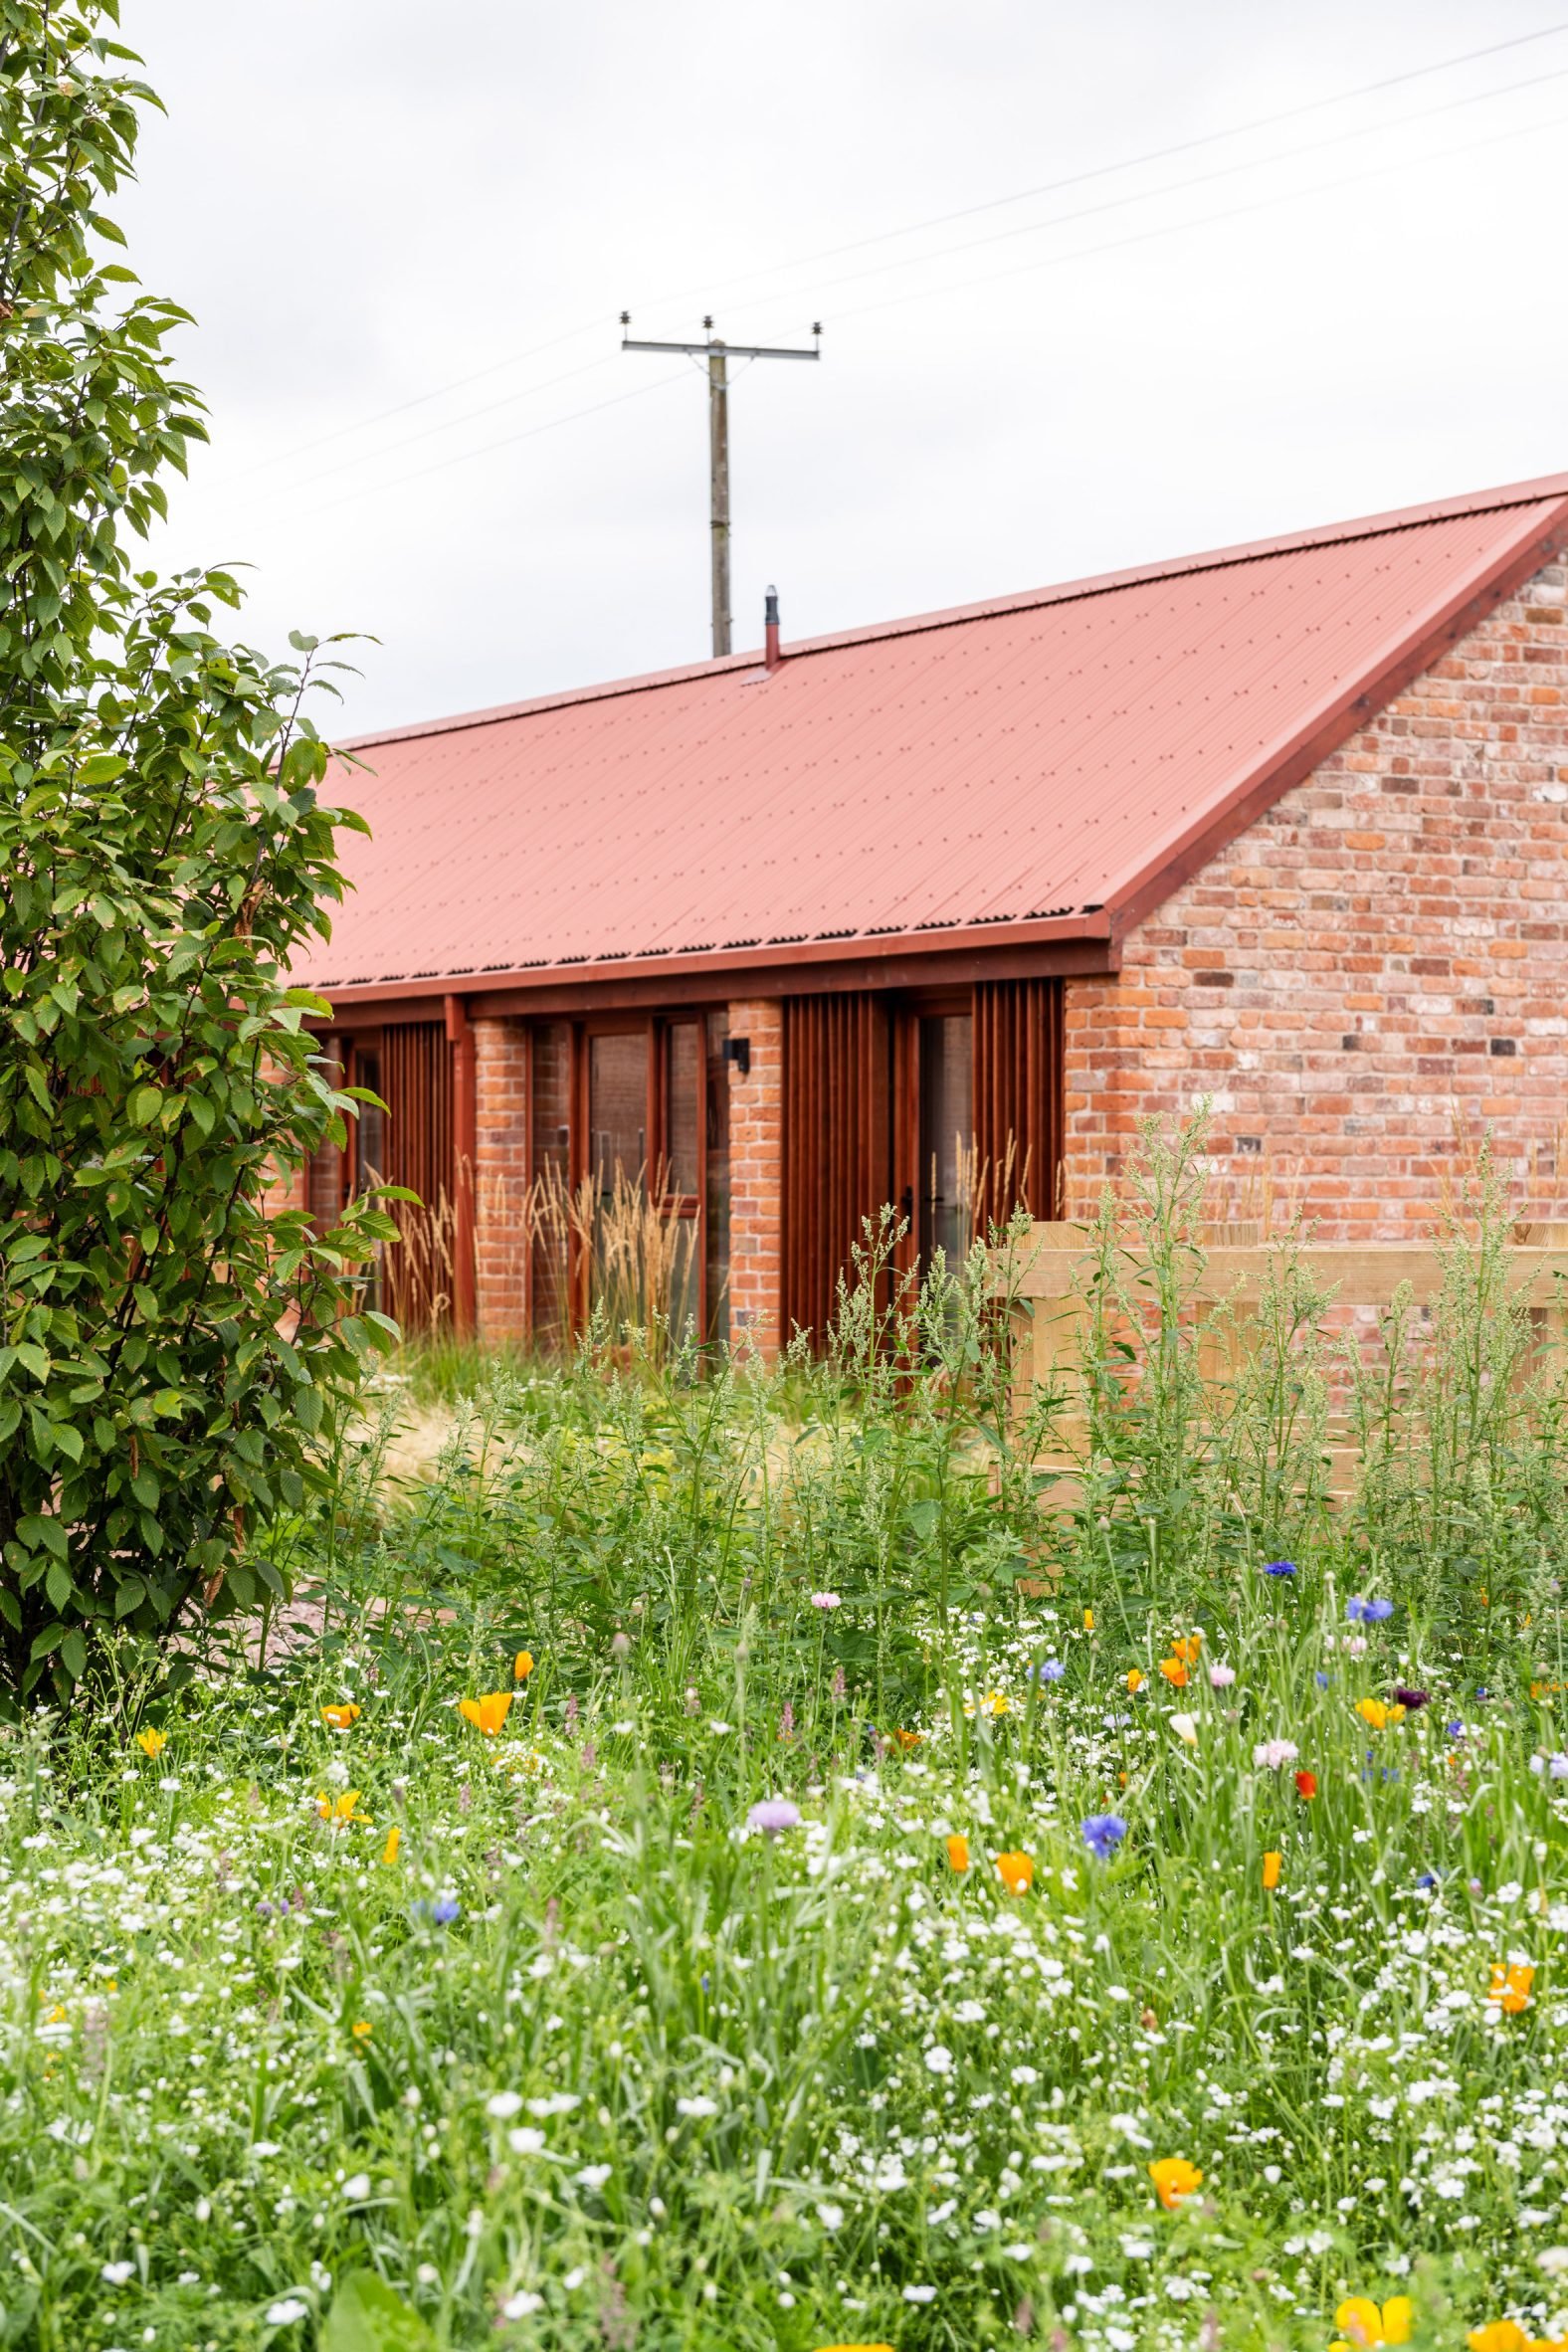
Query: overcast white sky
[365, 202]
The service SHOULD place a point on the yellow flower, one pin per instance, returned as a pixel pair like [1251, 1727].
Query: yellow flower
[340, 1809]
[522, 1665]
[152, 1743]
[1088, 1620]
[959, 1853]
[1510, 1988]
[996, 1705]
[1134, 1678]
[1187, 1649]
[855, 2348]
[1272, 1862]
[361, 2028]
[340, 1717]
[1174, 2179]
[1498, 2335]
[488, 1713]
[1373, 1711]
[1366, 2326]
[909, 1740]
[394, 1840]
[1175, 1673]
[1017, 1872]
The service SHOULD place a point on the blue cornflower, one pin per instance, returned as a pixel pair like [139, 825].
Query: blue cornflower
[1278, 1568]
[1456, 1730]
[1361, 1611]
[1427, 1878]
[445, 1910]
[1321, 1680]
[1050, 1669]
[1102, 1833]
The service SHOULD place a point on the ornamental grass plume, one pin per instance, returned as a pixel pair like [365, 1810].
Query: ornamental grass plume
[340, 1717]
[1017, 1872]
[152, 1743]
[1364, 2325]
[1511, 1987]
[1175, 2180]
[958, 1853]
[487, 1714]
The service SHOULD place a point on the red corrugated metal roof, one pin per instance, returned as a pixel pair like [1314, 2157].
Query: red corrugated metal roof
[1044, 766]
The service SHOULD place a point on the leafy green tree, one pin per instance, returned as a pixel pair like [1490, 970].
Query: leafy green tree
[169, 1355]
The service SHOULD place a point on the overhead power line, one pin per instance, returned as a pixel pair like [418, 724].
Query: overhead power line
[886, 236]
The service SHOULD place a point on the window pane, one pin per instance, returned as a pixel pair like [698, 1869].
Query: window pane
[551, 1045]
[944, 1211]
[682, 1072]
[616, 1108]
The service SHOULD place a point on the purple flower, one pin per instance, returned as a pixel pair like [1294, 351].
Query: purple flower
[1550, 1767]
[1050, 1669]
[1361, 1611]
[1456, 1730]
[1102, 1833]
[445, 1910]
[1410, 1700]
[1427, 1878]
[772, 1815]
[1321, 1680]
[1278, 1568]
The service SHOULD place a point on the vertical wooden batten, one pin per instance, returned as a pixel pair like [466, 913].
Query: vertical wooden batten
[1018, 1094]
[464, 1147]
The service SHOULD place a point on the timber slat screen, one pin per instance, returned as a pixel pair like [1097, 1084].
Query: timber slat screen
[859, 1130]
[1018, 1095]
[416, 1081]
[837, 1144]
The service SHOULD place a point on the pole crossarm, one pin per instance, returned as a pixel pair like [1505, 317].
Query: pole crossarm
[731, 350]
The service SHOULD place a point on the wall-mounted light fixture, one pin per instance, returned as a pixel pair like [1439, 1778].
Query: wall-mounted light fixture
[738, 1051]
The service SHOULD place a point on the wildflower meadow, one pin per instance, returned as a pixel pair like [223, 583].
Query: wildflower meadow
[741, 1858]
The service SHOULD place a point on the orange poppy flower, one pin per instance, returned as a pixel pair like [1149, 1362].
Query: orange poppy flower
[909, 1740]
[1088, 1620]
[959, 1853]
[1174, 2179]
[152, 1743]
[1174, 1671]
[1187, 1647]
[1134, 1678]
[340, 1717]
[1272, 1862]
[1307, 1784]
[488, 1713]
[1017, 1872]
[361, 2028]
[394, 1840]
[1510, 1988]
[338, 1810]
[522, 1665]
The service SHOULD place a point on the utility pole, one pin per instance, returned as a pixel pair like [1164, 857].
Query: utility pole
[719, 354]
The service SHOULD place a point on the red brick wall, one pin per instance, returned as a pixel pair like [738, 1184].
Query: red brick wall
[756, 1174]
[500, 1053]
[1375, 974]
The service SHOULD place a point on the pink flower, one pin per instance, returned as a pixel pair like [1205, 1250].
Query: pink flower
[825, 1601]
[1273, 1754]
[1220, 1677]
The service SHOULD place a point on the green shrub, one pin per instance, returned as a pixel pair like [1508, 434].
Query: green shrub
[166, 1358]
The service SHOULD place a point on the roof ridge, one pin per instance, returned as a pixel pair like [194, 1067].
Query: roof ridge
[1354, 528]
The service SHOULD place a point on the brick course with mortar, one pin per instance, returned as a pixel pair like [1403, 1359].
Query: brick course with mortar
[1376, 971]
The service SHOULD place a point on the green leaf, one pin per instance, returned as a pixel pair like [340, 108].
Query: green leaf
[367, 2315]
[74, 1655]
[57, 1584]
[129, 1596]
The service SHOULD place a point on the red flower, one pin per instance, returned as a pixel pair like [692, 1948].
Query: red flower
[1307, 1784]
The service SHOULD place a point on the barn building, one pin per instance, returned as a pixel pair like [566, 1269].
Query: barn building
[934, 911]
